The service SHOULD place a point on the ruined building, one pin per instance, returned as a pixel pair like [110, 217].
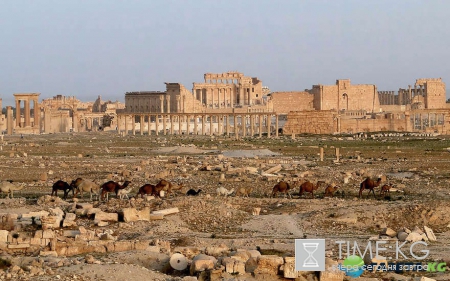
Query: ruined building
[223, 92]
[347, 108]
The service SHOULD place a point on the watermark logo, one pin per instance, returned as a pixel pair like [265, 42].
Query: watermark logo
[310, 254]
[353, 266]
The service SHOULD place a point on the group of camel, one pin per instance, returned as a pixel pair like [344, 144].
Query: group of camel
[307, 186]
[80, 185]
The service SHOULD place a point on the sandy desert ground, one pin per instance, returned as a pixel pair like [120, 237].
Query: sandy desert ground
[417, 166]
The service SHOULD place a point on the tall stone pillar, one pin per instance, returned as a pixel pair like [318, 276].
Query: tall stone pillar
[212, 98]
[161, 102]
[244, 125]
[211, 125]
[133, 124]
[164, 124]
[188, 124]
[178, 104]
[227, 120]
[236, 135]
[195, 125]
[219, 125]
[218, 97]
[231, 98]
[241, 93]
[141, 124]
[36, 113]
[268, 121]
[260, 119]
[421, 121]
[171, 124]
[252, 124]
[9, 120]
[27, 113]
[179, 124]
[409, 94]
[157, 124]
[276, 125]
[126, 124]
[203, 124]
[18, 113]
[119, 120]
[168, 103]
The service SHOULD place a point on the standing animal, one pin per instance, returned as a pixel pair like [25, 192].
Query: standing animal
[62, 185]
[385, 189]
[330, 190]
[223, 191]
[124, 192]
[168, 187]
[146, 189]
[370, 185]
[112, 186]
[282, 187]
[193, 192]
[309, 187]
[8, 187]
[82, 185]
[244, 191]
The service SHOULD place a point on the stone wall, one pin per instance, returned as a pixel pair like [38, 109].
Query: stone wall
[284, 102]
[313, 122]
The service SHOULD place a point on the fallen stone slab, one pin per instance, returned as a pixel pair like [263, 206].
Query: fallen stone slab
[102, 216]
[166, 211]
[268, 264]
[131, 214]
[430, 234]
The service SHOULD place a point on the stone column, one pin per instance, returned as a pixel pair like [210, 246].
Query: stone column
[179, 124]
[276, 125]
[337, 154]
[409, 94]
[37, 112]
[27, 113]
[400, 97]
[126, 125]
[268, 121]
[9, 120]
[241, 93]
[178, 104]
[228, 124]
[260, 125]
[195, 125]
[164, 124]
[252, 124]
[244, 125]
[321, 153]
[157, 124]
[421, 121]
[188, 127]
[133, 122]
[17, 113]
[219, 124]
[218, 98]
[119, 119]
[141, 124]
[236, 127]
[203, 124]
[211, 128]
[171, 124]
[161, 103]
[168, 103]
[231, 98]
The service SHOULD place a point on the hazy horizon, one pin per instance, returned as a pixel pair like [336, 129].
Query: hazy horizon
[91, 48]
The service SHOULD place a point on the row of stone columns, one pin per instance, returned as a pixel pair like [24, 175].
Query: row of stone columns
[419, 124]
[243, 124]
[226, 98]
[27, 117]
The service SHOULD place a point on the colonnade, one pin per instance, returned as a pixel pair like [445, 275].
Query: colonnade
[238, 124]
[223, 97]
[421, 121]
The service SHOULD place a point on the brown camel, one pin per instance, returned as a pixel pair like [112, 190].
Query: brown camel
[282, 187]
[147, 189]
[112, 186]
[385, 189]
[370, 185]
[309, 187]
[330, 190]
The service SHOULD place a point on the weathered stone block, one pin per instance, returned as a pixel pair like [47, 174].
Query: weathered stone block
[201, 265]
[430, 234]
[331, 276]
[268, 264]
[121, 246]
[239, 267]
[70, 217]
[48, 233]
[4, 236]
[131, 214]
[102, 216]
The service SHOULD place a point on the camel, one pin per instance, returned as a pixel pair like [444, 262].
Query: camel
[82, 185]
[64, 186]
[330, 189]
[167, 186]
[309, 187]
[124, 192]
[223, 191]
[8, 187]
[147, 189]
[370, 185]
[385, 189]
[282, 187]
[244, 191]
[112, 186]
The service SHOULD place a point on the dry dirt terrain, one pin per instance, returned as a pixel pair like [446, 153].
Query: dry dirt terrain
[417, 167]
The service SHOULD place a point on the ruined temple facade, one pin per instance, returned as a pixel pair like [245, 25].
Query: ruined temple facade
[347, 108]
[223, 92]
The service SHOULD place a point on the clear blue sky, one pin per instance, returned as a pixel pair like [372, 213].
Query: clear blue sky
[92, 47]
